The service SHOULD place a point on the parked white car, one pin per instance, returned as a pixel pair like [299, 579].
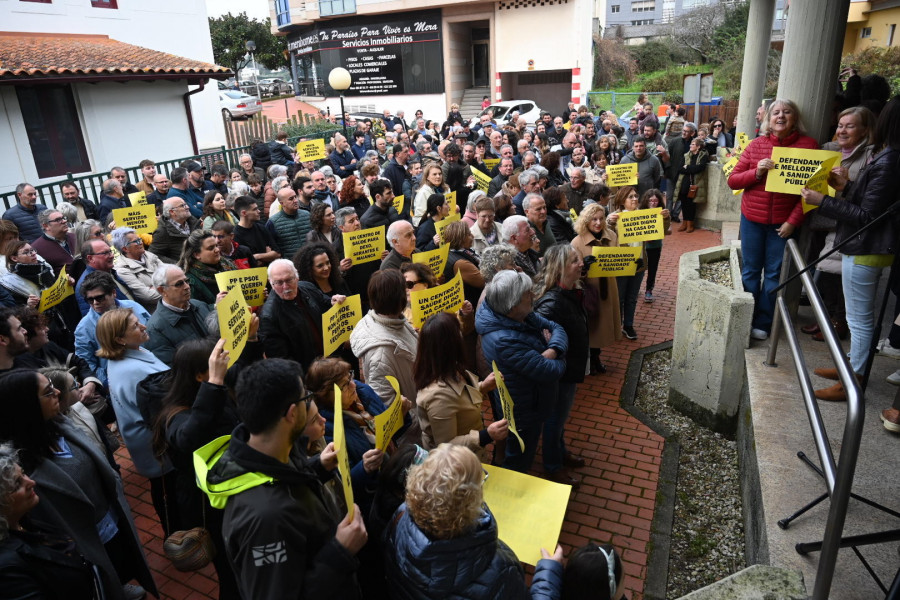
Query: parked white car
[238, 104]
[501, 111]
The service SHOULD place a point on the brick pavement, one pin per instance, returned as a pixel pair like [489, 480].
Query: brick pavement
[617, 497]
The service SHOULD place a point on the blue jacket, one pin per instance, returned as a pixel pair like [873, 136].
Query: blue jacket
[108, 203]
[193, 197]
[474, 566]
[357, 442]
[26, 221]
[516, 346]
[86, 344]
[342, 163]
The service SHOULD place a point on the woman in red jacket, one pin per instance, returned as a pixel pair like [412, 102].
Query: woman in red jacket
[767, 218]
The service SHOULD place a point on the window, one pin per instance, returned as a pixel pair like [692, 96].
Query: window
[329, 8]
[643, 22]
[892, 29]
[54, 131]
[615, 8]
[282, 12]
[104, 4]
[865, 32]
[643, 6]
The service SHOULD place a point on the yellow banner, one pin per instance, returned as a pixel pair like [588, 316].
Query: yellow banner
[794, 167]
[573, 214]
[819, 182]
[490, 163]
[364, 245]
[251, 281]
[439, 226]
[482, 181]
[140, 218]
[529, 511]
[138, 198]
[443, 298]
[390, 421]
[640, 225]
[506, 404]
[234, 323]
[338, 323]
[310, 150]
[621, 175]
[397, 202]
[340, 448]
[615, 262]
[742, 140]
[728, 167]
[56, 293]
[451, 201]
[435, 259]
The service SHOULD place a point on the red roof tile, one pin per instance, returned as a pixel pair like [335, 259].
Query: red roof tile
[34, 56]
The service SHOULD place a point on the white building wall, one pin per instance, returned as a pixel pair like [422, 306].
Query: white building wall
[179, 27]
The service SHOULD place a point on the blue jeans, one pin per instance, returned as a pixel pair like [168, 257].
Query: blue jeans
[554, 428]
[762, 250]
[629, 288]
[860, 288]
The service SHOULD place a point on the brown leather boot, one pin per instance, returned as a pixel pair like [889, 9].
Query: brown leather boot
[690, 227]
[683, 226]
[835, 393]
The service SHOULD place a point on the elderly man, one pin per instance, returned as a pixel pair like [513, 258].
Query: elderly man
[402, 239]
[513, 336]
[247, 168]
[495, 150]
[289, 225]
[56, 244]
[342, 160]
[556, 133]
[321, 192]
[148, 172]
[251, 233]
[382, 212]
[175, 225]
[356, 276]
[291, 319]
[161, 185]
[119, 174]
[111, 198]
[381, 149]
[98, 256]
[649, 167]
[504, 169]
[100, 292]
[24, 214]
[530, 184]
[135, 266]
[395, 171]
[578, 191]
[506, 151]
[177, 318]
[519, 234]
[536, 213]
[86, 208]
[677, 149]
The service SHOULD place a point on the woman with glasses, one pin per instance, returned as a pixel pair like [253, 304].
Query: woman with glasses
[80, 493]
[121, 335]
[201, 260]
[720, 134]
[135, 266]
[443, 540]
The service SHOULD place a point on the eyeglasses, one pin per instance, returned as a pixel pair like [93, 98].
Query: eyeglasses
[281, 282]
[104, 253]
[50, 391]
[95, 299]
[306, 400]
[411, 284]
[57, 220]
[97, 234]
[29, 252]
[133, 243]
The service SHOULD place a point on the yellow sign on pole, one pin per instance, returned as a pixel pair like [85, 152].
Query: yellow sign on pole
[252, 283]
[364, 245]
[615, 261]
[338, 323]
[640, 225]
[482, 181]
[140, 218]
[56, 293]
[621, 175]
[390, 421]
[234, 323]
[397, 203]
[443, 298]
[340, 448]
[439, 226]
[435, 259]
[529, 510]
[138, 198]
[506, 404]
[310, 150]
[794, 167]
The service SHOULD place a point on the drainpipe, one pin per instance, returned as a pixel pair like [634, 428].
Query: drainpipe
[190, 115]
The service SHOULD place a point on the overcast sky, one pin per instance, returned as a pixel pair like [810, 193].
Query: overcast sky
[255, 9]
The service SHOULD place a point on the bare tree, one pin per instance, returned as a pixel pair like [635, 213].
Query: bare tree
[696, 29]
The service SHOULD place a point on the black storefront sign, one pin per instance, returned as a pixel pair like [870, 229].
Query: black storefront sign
[385, 54]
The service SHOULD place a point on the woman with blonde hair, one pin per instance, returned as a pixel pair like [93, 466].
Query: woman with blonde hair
[432, 183]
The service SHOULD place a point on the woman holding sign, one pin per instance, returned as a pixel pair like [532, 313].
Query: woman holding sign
[767, 218]
[436, 209]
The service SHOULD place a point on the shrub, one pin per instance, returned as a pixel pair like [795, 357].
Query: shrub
[612, 63]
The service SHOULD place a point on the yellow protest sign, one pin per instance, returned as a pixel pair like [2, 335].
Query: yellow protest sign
[742, 140]
[338, 323]
[615, 262]
[451, 201]
[819, 182]
[56, 293]
[443, 298]
[507, 405]
[573, 214]
[435, 259]
[234, 323]
[252, 283]
[482, 181]
[340, 448]
[390, 421]
[138, 198]
[439, 226]
[397, 202]
[794, 167]
[364, 245]
[621, 175]
[640, 225]
[490, 163]
[529, 510]
[140, 218]
[310, 150]
[728, 167]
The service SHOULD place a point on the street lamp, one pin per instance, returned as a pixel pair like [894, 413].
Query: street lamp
[251, 48]
[339, 79]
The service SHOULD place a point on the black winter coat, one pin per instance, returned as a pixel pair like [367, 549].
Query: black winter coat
[564, 307]
[262, 158]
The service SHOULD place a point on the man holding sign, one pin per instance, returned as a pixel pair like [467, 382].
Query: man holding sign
[280, 534]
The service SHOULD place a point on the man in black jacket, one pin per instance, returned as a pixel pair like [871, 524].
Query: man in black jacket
[677, 150]
[86, 208]
[395, 171]
[382, 212]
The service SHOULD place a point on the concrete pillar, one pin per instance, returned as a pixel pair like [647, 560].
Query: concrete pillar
[809, 65]
[756, 52]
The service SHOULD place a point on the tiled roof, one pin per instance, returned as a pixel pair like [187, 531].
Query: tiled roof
[33, 56]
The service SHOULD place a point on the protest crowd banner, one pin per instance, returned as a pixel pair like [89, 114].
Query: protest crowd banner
[621, 175]
[364, 245]
[482, 181]
[615, 261]
[340, 448]
[506, 403]
[443, 298]
[234, 323]
[310, 150]
[252, 283]
[435, 259]
[397, 203]
[440, 225]
[390, 421]
[56, 293]
[138, 198]
[640, 225]
[338, 323]
[794, 167]
[140, 218]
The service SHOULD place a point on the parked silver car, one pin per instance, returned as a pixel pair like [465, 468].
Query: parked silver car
[238, 104]
[275, 87]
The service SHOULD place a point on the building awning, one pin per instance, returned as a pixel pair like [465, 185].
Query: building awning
[68, 58]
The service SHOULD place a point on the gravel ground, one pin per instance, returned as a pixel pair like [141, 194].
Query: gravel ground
[708, 531]
[717, 272]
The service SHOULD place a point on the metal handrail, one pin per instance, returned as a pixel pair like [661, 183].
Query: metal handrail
[838, 476]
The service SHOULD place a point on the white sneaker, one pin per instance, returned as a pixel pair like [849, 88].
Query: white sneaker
[894, 378]
[885, 349]
[759, 334]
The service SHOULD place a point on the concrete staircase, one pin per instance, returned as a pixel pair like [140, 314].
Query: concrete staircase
[471, 102]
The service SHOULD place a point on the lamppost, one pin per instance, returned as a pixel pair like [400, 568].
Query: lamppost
[251, 48]
[339, 79]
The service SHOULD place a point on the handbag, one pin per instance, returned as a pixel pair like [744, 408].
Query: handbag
[590, 300]
[191, 549]
[692, 189]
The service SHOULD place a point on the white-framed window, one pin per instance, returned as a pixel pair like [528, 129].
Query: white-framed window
[865, 32]
[615, 8]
